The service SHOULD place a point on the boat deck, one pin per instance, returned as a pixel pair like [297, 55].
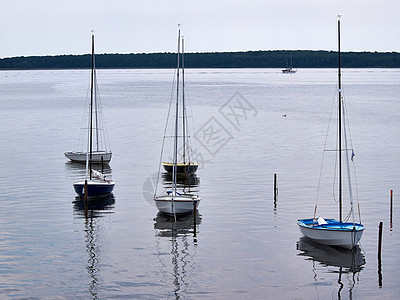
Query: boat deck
[331, 224]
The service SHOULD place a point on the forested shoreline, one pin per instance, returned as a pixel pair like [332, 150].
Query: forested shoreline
[248, 59]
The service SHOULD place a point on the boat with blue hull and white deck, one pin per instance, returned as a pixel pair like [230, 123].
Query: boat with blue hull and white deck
[95, 183]
[332, 232]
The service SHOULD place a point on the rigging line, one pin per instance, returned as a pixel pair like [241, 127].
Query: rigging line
[356, 185]
[169, 115]
[351, 145]
[334, 174]
[165, 131]
[97, 110]
[347, 161]
[323, 152]
[189, 103]
[338, 153]
[96, 96]
[83, 120]
[102, 128]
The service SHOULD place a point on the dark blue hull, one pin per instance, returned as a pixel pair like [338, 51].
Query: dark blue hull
[94, 189]
[182, 169]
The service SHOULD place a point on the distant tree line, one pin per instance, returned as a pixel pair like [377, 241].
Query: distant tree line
[249, 59]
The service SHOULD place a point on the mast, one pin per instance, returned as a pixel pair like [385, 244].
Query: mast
[175, 158]
[91, 111]
[340, 125]
[183, 102]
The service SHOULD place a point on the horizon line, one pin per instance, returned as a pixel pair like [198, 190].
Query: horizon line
[198, 52]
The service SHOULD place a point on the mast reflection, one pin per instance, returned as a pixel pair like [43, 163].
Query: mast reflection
[173, 244]
[92, 214]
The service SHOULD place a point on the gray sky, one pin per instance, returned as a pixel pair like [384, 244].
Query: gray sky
[53, 27]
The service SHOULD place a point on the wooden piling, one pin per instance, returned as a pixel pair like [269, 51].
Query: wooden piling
[380, 240]
[275, 187]
[380, 255]
[391, 207]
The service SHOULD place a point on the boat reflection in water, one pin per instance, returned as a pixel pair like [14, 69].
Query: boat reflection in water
[92, 214]
[79, 169]
[176, 250]
[99, 207]
[334, 260]
[188, 183]
[170, 226]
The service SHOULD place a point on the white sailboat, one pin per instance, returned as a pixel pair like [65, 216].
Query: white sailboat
[173, 202]
[185, 166]
[97, 156]
[330, 231]
[101, 154]
[289, 69]
[95, 184]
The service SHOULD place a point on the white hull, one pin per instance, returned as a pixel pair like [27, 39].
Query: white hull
[289, 71]
[340, 238]
[179, 204]
[96, 156]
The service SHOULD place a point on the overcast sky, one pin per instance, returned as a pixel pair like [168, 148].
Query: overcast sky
[54, 27]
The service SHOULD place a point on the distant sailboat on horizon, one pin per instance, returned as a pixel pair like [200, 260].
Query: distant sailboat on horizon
[289, 69]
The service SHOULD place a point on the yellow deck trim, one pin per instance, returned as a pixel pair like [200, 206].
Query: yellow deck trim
[180, 164]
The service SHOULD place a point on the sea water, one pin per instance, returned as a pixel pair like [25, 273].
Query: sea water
[248, 124]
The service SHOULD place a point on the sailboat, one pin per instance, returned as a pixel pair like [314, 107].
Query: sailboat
[185, 166]
[95, 183]
[289, 69]
[330, 231]
[100, 152]
[173, 202]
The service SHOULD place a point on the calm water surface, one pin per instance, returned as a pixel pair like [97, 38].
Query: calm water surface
[246, 246]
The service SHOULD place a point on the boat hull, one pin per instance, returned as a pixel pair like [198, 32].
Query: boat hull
[289, 71]
[94, 188]
[181, 168]
[179, 204]
[80, 157]
[334, 233]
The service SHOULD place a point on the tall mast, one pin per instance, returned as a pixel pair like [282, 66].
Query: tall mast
[91, 112]
[183, 102]
[175, 159]
[340, 125]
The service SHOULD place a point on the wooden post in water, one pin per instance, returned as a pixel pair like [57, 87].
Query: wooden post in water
[380, 255]
[275, 187]
[380, 240]
[391, 208]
